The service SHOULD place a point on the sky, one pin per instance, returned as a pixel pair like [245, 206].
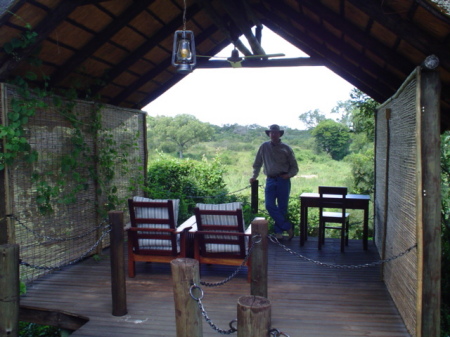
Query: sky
[262, 96]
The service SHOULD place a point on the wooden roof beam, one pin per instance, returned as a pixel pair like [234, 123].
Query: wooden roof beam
[265, 63]
[133, 57]
[97, 41]
[360, 37]
[149, 75]
[236, 12]
[346, 50]
[43, 30]
[406, 30]
[341, 67]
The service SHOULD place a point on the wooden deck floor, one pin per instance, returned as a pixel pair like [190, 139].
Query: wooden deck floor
[308, 300]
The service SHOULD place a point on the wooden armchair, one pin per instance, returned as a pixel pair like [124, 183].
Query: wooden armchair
[153, 235]
[333, 197]
[221, 237]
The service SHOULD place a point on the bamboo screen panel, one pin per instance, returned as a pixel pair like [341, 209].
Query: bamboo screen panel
[74, 227]
[396, 197]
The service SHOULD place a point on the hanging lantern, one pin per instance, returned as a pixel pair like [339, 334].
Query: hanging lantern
[183, 54]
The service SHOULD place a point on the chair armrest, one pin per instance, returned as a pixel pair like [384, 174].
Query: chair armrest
[248, 231]
[189, 224]
[139, 229]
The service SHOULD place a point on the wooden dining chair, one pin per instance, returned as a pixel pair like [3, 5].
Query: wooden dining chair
[332, 198]
[221, 237]
[153, 235]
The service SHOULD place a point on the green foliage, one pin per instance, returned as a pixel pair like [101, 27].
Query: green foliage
[333, 138]
[188, 180]
[445, 259]
[181, 130]
[312, 118]
[362, 171]
[363, 114]
[35, 330]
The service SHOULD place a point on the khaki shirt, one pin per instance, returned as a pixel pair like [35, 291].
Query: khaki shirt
[277, 159]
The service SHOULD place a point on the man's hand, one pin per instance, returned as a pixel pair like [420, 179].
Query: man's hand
[252, 180]
[285, 176]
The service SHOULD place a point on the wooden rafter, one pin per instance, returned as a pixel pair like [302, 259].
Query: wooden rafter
[116, 25]
[43, 30]
[133, 57]
[405, 30]
[149, 75]
[386, 82]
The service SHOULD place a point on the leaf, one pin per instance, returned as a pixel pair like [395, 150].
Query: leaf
[31, 76]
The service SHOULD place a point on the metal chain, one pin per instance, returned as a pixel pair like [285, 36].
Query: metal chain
[255, 240]
[205, 315]
[26, 264]
[276, 333]
[217, 195]
[53, 239]
[340, 266]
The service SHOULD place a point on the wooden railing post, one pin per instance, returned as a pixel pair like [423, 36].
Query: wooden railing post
[259, 258]
[185, 273]
[254, 197]
[118, 283]
[9, 294]
[253, 316]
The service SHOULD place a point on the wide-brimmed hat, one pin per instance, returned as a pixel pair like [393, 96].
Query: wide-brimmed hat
[275, 127]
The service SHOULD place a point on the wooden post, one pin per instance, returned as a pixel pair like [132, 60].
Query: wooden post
[253, 316]
[254, 197]
[118, 284]
[429, 242]
[9, 294]
[259, 258]
[185, 273]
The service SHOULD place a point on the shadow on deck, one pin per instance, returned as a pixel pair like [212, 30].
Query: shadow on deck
[308, 299]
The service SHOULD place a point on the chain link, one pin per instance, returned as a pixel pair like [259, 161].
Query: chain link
[277, 333]
[255, 240]
[273, 239]
[205, 315]
[53, 239]
[107, 230]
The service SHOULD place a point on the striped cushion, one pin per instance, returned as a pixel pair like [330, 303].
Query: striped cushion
[156, 213]
[221, 220]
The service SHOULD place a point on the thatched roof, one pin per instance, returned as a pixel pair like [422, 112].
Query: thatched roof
[121, 49]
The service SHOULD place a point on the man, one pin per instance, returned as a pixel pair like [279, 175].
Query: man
[280, 166]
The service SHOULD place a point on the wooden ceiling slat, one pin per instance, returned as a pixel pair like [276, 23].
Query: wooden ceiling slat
[43, 30]
[156, 39]
[339, 46]
[155, 72]
[407, 31]
[99, 40]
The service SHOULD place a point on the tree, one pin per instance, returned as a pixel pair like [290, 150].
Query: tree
[333, 138]
[312, 118]
[182, 130]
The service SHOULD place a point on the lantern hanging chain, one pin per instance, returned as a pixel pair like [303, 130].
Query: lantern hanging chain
[184, 15]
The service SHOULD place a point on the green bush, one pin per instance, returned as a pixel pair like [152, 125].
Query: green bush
[190, 181]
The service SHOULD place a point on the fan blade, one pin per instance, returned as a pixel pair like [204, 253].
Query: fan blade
[263, 56]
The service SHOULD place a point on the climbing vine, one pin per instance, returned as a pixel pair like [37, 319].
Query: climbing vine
[77, 169]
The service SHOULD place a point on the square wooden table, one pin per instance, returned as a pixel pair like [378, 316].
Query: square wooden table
[352, 201]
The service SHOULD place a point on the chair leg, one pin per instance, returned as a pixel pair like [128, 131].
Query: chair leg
[131, 268]
[347, 225]
[343, 231]
[319, 235]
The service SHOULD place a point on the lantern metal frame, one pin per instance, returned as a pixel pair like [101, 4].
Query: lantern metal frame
[184, 65]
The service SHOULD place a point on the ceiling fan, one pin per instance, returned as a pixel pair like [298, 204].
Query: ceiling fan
[235, 60]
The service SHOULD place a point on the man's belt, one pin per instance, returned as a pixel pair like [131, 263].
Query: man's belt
[276, 176]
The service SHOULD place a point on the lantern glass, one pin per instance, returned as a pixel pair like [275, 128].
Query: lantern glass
[183, 54]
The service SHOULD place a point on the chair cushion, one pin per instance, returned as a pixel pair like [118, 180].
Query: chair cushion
[158, 213]
[222, 220]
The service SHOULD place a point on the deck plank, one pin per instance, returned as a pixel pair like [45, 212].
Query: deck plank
[308, 299]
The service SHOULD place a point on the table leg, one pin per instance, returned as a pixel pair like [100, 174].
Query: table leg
[366, 227]
[303, 222]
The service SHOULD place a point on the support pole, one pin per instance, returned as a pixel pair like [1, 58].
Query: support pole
[118, 283]
[258, 286]
[253, 316]
[254, 197]
[185, 273]
[9, 294]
